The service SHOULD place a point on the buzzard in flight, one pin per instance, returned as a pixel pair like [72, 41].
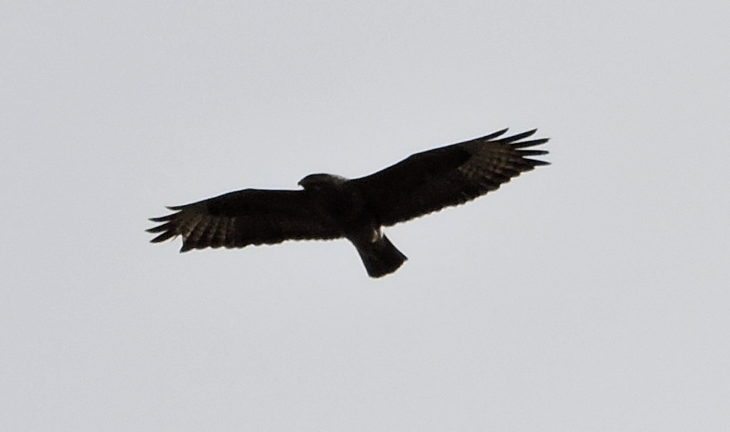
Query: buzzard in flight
[331, 207]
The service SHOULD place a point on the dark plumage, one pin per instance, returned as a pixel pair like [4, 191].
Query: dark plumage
[330, 207]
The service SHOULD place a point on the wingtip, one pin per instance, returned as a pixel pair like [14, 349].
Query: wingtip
[164, 236]
[531, 143]
[532, 152]
[160, 228]
[161, 218]
[517, 137]
[536, 162]
[494, 134]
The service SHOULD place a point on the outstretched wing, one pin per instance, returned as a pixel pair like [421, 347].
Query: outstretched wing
[245, 217]
[447, 176]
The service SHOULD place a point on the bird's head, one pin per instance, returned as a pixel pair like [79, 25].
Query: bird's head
[319, 181]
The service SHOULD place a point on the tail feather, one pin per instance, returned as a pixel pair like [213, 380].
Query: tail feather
[380, 257]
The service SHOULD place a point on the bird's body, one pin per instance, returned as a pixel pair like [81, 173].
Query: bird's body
[344, 204]
[331, 206]
[337, 200]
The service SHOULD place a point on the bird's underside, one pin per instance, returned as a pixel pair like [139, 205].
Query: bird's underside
[330, 207]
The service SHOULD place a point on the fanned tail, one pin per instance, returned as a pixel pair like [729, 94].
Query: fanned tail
[380, 257]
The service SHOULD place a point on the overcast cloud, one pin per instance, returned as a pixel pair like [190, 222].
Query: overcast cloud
[589, 295]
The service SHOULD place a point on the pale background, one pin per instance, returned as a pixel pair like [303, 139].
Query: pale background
[590, 295]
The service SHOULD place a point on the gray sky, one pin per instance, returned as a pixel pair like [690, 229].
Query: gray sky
[590, 295]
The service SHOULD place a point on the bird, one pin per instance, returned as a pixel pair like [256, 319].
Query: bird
[330, 207]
